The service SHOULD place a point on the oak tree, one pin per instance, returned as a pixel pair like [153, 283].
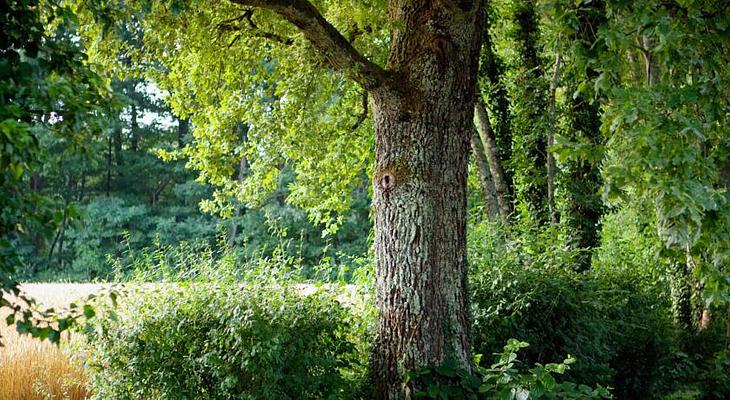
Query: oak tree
[305, 76]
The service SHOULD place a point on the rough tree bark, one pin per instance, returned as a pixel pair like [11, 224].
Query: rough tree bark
[422, 127]
[423, 114]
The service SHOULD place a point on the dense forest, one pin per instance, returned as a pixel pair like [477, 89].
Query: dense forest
[504, 199]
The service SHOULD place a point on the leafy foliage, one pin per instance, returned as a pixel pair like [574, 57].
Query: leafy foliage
[503, 380]
[267, 77]
[217, 337]
[47, 94]
[615, 320]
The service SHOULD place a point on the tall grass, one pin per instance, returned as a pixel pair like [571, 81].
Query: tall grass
[31, 369]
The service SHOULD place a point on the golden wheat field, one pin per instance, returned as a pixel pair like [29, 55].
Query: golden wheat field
[31, 369]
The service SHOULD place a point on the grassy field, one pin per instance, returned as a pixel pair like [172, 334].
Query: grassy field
[31, 369]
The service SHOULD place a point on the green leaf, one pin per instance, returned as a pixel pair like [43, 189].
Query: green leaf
[54, 336]
[89, 311]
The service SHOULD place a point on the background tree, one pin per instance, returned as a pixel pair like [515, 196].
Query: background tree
[49, 98]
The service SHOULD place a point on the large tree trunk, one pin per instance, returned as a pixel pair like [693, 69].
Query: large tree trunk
[422, 127]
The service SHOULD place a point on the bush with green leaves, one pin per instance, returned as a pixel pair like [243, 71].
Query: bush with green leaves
[502, 380]
[614, 321]
[228, 340]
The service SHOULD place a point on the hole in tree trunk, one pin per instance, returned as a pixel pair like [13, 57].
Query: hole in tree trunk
[387, 181]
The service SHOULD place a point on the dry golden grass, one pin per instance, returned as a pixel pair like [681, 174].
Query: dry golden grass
[31, 369]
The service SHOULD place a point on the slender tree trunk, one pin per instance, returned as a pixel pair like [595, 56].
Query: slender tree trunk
[581, 178]
[82, 187]
[495, 163]
[681, 292]
[118, 146]
[701, 315]
[36, 182]
[53, 246]
[551, 142]
[650, 70]
[530, 122]
[493, 89]
[485, 176]
[241, 175]
[36, 185]
[109, 166]
[134, 143]
[155, 195]
[183, 128]
[727, 329]
[422, 124]
[61, 239]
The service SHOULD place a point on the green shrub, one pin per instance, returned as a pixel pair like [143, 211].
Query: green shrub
[547, 308]
[228, 341]
[615, 322]
[501, 380]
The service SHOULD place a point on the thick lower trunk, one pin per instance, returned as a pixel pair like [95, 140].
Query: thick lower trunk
[423, 123]
[420, 241]
[485, 176]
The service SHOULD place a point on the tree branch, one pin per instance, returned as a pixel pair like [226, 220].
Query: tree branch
[364, 113]
[328, 41]
[266, 35]
[254, 30]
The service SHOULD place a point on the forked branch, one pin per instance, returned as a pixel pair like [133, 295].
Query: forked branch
[325, 38]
